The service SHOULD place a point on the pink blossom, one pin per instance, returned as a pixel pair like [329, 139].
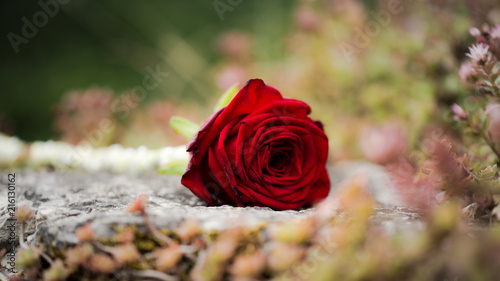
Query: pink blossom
[466, 72]
[307, 20]
[235, 44]
[493, 114]
[384, 144]
[139, 204]
[479, 53]
[474, 32]
[495, 32]
[24, 214]
[460, 114]
[230, 76]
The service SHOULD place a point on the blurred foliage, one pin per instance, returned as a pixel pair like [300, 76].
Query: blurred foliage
[340, 241]
[357, 63]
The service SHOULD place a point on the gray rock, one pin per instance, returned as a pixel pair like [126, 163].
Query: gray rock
[379, 185]
[64, 200]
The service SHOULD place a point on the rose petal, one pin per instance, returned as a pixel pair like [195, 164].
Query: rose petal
[320, 189]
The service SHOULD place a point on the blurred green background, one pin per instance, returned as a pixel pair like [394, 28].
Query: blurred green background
[406, 73]
[110, 43]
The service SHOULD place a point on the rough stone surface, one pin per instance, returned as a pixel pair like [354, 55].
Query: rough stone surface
[64, 200]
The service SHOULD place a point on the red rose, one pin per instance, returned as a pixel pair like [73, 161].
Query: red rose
[260, 150]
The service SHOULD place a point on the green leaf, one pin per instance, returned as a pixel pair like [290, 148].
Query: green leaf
[184, 127]
[494, 77]
[175, 167]
[487, 173]
[226, 98]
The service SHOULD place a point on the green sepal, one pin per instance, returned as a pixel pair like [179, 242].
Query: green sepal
[175, 167]
[183, 126]
[226, 98]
